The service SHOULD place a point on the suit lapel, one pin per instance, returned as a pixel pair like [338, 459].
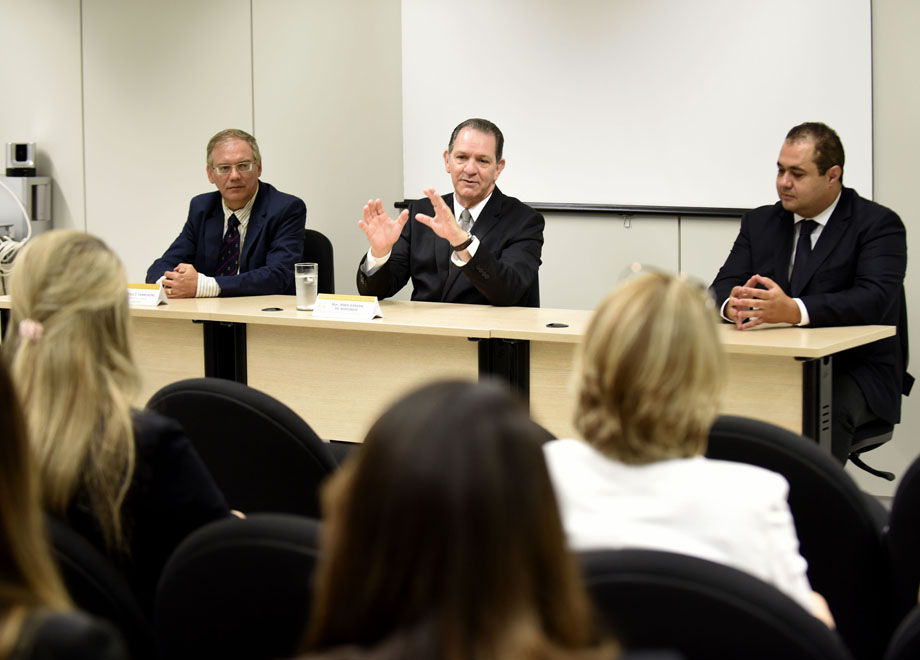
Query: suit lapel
[254, 227]
[213, 235]
[487, 219]
[442, 251]
[783, 255]
[831, 234]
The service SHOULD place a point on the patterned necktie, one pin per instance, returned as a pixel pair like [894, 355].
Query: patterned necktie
[802, 253]
[228, 260]
[466, 220]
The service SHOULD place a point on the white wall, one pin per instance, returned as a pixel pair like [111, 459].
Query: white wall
[317, 83]
[158, 82]
[328, 113]
[42, 96]
[896, 52]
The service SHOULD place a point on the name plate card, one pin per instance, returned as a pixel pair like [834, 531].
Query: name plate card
[346, 308]
[146, 295]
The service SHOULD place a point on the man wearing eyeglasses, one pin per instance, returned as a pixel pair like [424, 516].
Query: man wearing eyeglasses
[242, 239]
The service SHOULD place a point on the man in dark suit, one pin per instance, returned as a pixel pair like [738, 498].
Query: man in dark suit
[824, 256]
[241, 240]
[489, 257]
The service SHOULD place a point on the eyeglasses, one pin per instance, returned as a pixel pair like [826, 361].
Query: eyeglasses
[242, 168]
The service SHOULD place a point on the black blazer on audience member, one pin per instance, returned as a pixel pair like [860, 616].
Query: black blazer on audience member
[502, 272]
[172, 494]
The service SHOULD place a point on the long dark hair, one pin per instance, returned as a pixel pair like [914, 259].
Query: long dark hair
[443, 537]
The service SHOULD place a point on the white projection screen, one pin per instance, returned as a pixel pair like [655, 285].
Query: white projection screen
[636, 102]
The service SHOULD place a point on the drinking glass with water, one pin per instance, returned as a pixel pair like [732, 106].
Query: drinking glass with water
[306, 282]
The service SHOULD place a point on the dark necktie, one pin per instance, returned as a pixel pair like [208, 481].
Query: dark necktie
[802, 254]
[228, 260]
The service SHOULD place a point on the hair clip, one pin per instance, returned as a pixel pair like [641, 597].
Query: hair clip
[29, 329]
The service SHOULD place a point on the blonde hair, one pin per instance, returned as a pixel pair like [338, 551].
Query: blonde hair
[75, 373]
[28, 575]
[652, 370]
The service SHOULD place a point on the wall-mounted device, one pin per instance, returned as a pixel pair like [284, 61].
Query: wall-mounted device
[20, 159]
[34, 192]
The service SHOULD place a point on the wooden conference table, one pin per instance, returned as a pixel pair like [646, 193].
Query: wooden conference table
[340, 375]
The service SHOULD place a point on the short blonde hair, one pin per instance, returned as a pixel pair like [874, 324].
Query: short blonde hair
[652, 371]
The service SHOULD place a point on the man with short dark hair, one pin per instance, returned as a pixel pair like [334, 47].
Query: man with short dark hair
[241, 240]
[824, 256]
[490, 256]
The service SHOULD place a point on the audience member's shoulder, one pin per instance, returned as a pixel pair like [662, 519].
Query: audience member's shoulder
[565, 449]
[156, 437]
[70, 636]
[149, 424]
[744, 476]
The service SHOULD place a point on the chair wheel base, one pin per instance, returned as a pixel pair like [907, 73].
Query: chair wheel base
[858, 462]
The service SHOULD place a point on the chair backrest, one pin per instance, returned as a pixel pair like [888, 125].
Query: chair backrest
[96, 587]
[905, 643]
[238, 589]
[703, 610]
[839, 527]
[903, 541]
[262, 455]
[318, 249]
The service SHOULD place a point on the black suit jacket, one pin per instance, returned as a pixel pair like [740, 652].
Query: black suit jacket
[171, 495]
[502, 272]
[274, 243]
[855, 276]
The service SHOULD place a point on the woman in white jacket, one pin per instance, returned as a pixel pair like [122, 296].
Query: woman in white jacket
[652, 371]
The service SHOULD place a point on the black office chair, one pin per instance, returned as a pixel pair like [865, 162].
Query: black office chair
[868, 437]
[839, 526]
[262, 455]
[96, 587]
[238, 589]
[905, 643]
[703, 610]
[318, 249]
[902, 538]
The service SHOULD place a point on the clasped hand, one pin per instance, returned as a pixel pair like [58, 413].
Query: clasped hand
[181, 282]
[749, 306]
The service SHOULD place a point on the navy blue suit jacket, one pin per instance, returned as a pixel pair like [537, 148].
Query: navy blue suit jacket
[502, 272]
[855, 276]
[274, 243]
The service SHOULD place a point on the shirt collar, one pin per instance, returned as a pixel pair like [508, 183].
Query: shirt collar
[822, 217]
[474, 210]
[242, 215]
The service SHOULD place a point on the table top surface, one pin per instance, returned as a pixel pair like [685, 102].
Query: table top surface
[484, 321]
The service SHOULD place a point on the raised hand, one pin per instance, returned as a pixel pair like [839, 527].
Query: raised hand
[381, 230]
[444, 224]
